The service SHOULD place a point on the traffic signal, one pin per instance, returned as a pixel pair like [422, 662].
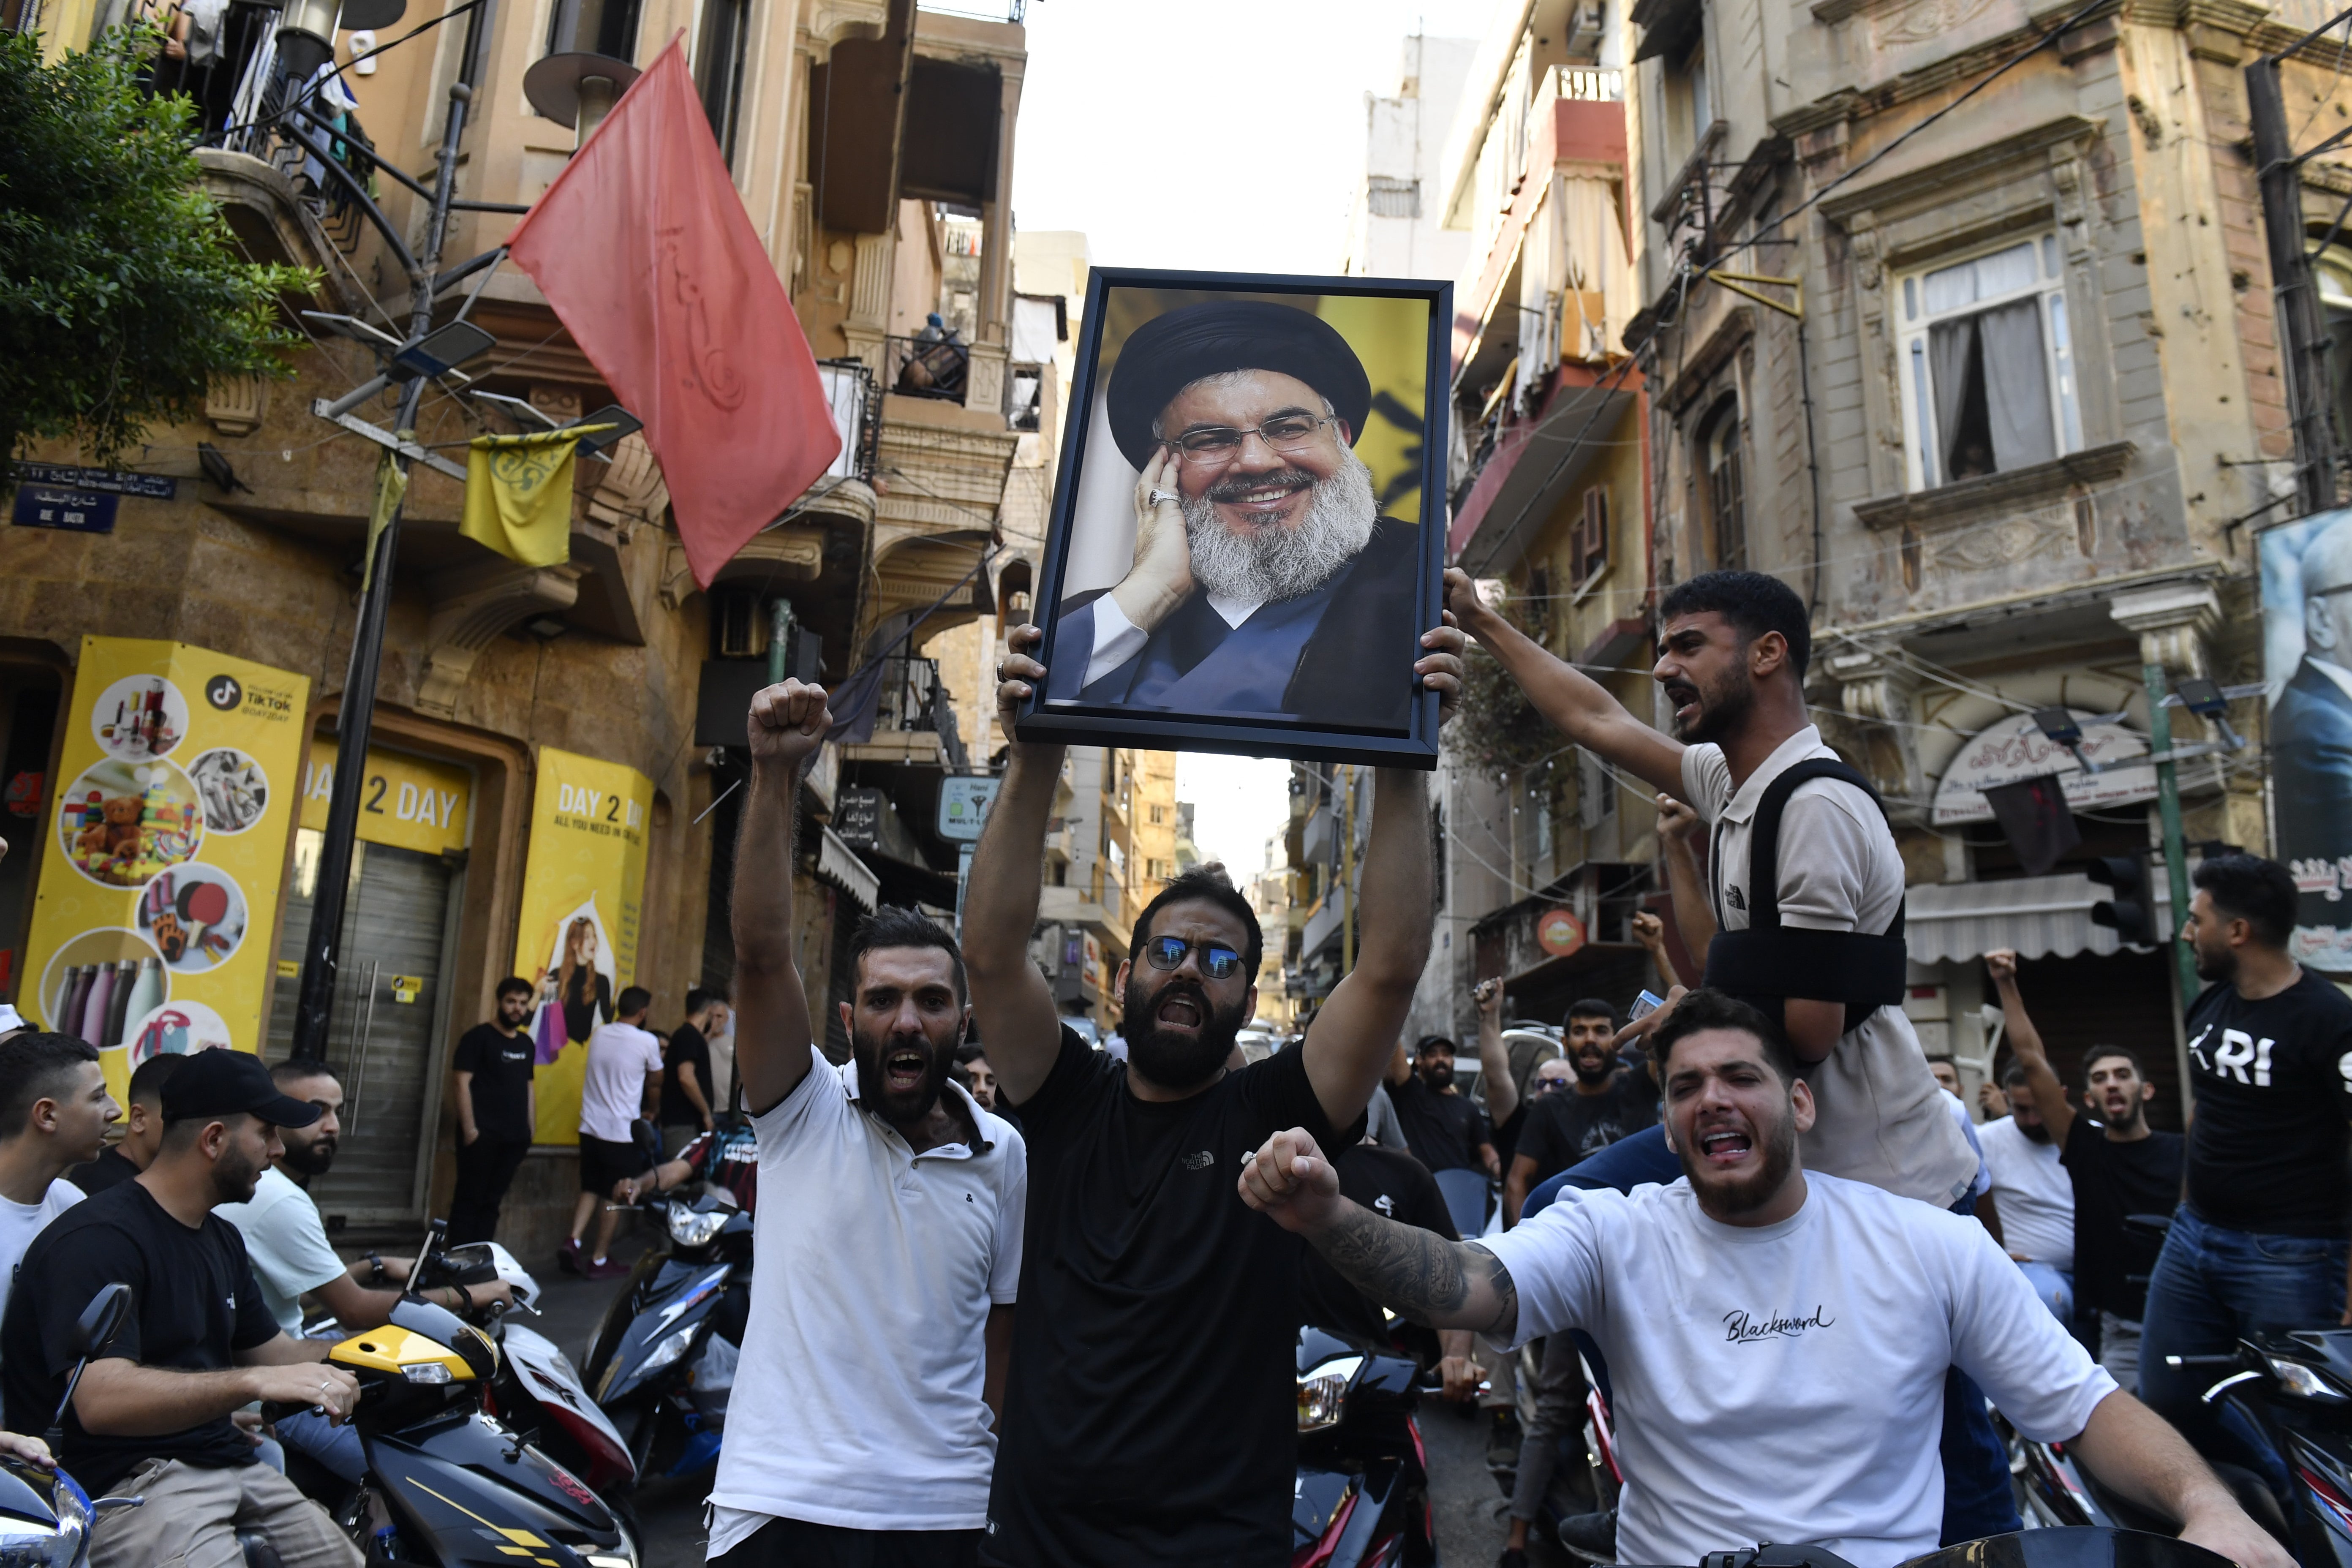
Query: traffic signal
[2127, 913]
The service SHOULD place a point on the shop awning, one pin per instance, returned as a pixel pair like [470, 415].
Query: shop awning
[838, 864]
[2041, 917]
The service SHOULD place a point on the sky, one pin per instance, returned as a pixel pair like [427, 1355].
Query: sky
[1221, 134]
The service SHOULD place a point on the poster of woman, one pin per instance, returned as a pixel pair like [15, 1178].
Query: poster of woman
[576, 933]
[575, 987]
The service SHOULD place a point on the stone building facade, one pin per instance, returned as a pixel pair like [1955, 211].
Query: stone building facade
[858, 132]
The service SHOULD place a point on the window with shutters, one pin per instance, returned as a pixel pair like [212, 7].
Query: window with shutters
[1392, 197]
[1723, 486]
[1592, 537]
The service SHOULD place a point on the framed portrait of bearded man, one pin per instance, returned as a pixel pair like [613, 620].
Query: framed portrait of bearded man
[1247, 535]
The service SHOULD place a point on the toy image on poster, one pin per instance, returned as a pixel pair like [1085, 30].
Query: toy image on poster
[2307, 657]
[1238, 558]
[575, 989]
[576, 933]
[168, 852]
[121, 822]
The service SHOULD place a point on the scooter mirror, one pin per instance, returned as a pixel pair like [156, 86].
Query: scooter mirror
[102, 1319]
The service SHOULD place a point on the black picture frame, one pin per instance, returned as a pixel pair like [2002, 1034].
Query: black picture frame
[1161, 729]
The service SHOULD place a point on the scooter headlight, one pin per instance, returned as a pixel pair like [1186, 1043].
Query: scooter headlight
[1323, 1393]
[672, 1347]
[688, 1228]
[2300, 1381]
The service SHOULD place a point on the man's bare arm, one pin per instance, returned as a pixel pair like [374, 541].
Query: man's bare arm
[1350, 1042]
[1493, 1062]
[1577, 706]
[1420, 1274]
[1516, 1187]
[121, 1398]
[1011, 1006]
[774, 1038]
[2041, 1080]
[1444, 1284]
[2133, 1450]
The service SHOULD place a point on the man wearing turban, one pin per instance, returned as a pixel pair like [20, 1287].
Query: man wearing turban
[1264, 578]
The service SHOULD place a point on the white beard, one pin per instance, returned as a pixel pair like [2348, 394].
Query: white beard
[1284, 561]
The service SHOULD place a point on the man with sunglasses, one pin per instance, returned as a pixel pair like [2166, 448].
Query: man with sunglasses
[1265, 579]
[1150, 1416]
[2311, 729]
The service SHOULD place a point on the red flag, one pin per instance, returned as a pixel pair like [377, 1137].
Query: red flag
[645, 251]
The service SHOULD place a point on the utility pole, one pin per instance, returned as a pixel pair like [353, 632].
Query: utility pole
[2302, 344]
[355, 715]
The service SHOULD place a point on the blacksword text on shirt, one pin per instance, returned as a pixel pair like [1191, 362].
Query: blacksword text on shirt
[1744, 1328]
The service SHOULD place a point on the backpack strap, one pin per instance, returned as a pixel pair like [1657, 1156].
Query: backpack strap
[1768, 963]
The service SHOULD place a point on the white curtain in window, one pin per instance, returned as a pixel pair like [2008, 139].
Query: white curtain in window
[2017, 385]
[1950, 346]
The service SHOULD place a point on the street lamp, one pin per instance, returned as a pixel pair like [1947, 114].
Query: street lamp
[306, 30]
[577, 89]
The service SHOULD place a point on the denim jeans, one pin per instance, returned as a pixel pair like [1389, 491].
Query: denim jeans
[1977, 1498]
[337, 1448]
[2213, 1285]
[2055, 1288]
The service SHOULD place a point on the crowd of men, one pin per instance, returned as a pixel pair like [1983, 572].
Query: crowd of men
[1021, 1301]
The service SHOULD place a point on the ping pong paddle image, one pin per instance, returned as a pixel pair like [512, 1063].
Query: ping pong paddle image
[204, 903]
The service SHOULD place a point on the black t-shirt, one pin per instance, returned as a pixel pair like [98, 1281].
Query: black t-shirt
[686, 1045]
[2272, 1081]
[1507, 1131]
[1390, 1182]
[2112, 1180]
[1564, 1127]
[1443, 1131]
[502, 1067]
[729, 1158]
[196, 1304]
[110, 1169]
[1151, 1413]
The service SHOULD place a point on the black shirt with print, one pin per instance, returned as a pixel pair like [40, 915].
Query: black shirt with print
[1151, 1412]
[2272, 1081]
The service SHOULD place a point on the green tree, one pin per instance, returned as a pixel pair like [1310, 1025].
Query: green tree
[122, 296]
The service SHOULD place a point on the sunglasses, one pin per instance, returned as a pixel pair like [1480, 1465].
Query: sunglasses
[1218, 961]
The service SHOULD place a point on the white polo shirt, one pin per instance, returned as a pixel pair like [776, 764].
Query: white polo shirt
[1881, 1118]
[857, 1401]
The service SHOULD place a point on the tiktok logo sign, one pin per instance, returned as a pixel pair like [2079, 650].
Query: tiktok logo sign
[2240, 1057]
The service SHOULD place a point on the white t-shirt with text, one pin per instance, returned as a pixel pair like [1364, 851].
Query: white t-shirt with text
[1785, 1383]
[857, 1401]
[2032, 1192]
[612, 1090]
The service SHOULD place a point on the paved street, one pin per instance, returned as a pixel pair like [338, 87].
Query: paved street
[1469, 1524]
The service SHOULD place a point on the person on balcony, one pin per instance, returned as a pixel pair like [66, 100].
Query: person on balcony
[1265, 579]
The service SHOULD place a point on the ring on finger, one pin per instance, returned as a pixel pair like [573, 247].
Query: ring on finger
[1158, 496]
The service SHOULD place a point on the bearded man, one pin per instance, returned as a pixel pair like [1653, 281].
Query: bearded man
[285, 1241]
[1264, 578]
[862, 1427]
[1777, 1339]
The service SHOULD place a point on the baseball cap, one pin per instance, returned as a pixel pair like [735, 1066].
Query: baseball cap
[228, 1082]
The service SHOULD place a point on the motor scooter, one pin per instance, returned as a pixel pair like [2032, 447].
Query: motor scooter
[1362, 1494]
[662, 1363]
[446, 1481]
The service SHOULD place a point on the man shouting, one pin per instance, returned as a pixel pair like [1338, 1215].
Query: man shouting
[1264, 578]
[1151, 1417]
[892, 1217]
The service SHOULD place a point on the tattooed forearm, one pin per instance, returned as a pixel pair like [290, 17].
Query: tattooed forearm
[1445, 1284]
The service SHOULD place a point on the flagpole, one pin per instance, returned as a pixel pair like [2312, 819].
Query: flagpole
[355, 715]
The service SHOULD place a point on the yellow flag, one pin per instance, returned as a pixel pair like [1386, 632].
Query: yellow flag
[391, 485]
[518, 494]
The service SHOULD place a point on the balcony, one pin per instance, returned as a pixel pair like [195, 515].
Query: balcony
[931, 367]
[914, 719]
